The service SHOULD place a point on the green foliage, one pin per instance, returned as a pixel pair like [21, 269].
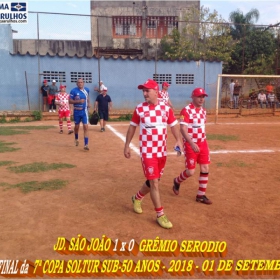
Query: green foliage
[39, 167]
[14, 120]
[222, 137]
[6, 162]
[3, 119]
[234, 163]
[27, 187]
[126, 117]
[37, 115]
[5, 147]
[205, 36]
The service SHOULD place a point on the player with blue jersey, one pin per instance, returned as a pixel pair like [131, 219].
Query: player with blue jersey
[79, 97]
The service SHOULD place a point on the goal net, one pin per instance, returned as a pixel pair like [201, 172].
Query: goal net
[247, 94]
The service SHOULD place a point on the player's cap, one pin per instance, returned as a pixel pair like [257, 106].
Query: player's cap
[62, 86]
[54, 81]
[165, 84]
[101, 82]
[199, 92]
[105, 89]
[149, 84]
[45, 81]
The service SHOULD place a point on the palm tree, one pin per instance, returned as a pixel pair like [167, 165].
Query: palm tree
[242, 23]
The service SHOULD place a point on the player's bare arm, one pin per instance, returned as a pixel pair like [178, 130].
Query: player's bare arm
[129, 136]
[110, 106]
[79, 101]
[184, 132]
[176, 133]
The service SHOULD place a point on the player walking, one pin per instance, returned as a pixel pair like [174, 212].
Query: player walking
[79, 96]
[152, 116]
[192, 127]
[62, 100]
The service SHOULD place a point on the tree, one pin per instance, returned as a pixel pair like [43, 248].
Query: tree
[255, 48]
[206, 36]
[242, 23]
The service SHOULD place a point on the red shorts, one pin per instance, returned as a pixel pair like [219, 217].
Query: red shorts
[153, 167]
[62, 114]
[191, 158]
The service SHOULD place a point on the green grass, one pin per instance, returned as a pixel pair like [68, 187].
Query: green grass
[216, 147]
[32, 186]
[39, 167]
[13, 130]
[5, 163]
[234, 163]
[126, 117]
[222, 137]
[5, 147]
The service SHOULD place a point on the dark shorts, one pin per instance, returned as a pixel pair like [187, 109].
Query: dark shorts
[104, 115]
[80, 116]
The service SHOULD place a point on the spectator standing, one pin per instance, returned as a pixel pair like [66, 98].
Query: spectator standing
[163, 94]
[53, 90]
[236, 93]
[231, 90]
[79, 96]
[45, 93]
[103, 103]
[153, 116]
[62, 100]
[262, 98]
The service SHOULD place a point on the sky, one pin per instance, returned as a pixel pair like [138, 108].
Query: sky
[78, 27]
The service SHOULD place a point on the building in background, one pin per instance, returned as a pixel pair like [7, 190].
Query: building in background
[135, 27]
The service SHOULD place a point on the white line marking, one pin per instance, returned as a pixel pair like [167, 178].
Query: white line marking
[136, 150]
[123, 138]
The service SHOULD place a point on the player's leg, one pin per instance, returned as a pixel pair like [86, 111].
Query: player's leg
[77, 120]
[101, 120]
[190, 163]
[105, 119]
[60, 122]
[68, 121]
[204, 161]
[85, 127]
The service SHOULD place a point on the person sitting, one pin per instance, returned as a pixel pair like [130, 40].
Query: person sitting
[262, 99]
[253, 99]
[272, 100]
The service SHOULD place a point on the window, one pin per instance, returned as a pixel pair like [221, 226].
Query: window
[126, 26]
[184, 79]
[86, 76]
[157, 27]
[160, 78]
[59, 76]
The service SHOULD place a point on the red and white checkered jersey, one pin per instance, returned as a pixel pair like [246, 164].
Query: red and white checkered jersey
[153, 121]
[163, 96]
[63, 98]
[195, 119]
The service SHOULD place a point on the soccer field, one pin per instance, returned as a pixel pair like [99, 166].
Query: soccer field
[243, 182]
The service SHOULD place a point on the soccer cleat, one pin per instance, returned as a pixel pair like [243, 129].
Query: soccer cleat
[203, 199]
[137, 205]
[61, 131]
[164, 222]
[176, 187]
[54, 111]
[102, 129]
[77, 142]
[86, 148]
[50, 111]
[70, 131]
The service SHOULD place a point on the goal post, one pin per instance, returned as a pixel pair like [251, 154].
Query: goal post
[259, 82]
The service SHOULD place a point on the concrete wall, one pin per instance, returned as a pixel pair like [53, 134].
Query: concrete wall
[102, 26]
[121, 76]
